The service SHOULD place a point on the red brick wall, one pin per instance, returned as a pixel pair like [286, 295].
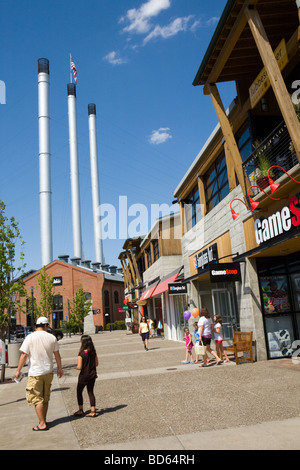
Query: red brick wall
[72, 278]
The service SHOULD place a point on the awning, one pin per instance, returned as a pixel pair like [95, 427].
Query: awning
[148, 293]
[163, 285]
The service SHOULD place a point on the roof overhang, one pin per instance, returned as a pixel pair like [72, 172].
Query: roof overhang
[232, 52]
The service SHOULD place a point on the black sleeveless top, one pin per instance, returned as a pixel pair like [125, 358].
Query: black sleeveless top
[88, 371]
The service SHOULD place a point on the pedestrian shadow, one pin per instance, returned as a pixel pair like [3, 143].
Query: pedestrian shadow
[62, 420]
[14, 401]
[110, 410]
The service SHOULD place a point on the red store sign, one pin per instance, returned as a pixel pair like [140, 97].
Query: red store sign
[282, 221]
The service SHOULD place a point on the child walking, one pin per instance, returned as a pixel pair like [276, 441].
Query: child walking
[219, 337]
[188, 346]
[196, 336]
[87, 362]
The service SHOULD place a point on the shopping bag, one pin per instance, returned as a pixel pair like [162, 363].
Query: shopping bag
[200, 349]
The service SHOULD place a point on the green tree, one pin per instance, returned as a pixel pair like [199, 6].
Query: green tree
[79, 309]
[46, 287]
[10, 290]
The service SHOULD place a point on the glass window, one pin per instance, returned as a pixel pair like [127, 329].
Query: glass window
[275, 294]
[216, 182]
[295, 280]
[116, 297]
[280, 335]
[155, 250]
[193, 208]
[244, 143]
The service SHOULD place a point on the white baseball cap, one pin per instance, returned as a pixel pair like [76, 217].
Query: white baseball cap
[42, 321]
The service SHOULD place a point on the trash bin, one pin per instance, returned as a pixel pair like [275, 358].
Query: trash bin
[13, 354]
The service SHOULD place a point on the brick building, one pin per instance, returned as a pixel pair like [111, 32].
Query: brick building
[104, 287]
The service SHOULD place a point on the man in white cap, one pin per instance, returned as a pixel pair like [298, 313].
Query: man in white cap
[39, 347]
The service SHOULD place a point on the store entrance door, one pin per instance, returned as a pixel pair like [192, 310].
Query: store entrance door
[221, 302]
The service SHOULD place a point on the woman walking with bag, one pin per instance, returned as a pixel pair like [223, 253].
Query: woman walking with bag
[206, 326]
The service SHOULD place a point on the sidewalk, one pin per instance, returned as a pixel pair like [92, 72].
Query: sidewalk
[149, 400]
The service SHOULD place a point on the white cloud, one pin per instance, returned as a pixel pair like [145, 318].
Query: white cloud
[139, 19]
[165, 32]
[114, 58]
[204, 24]
[160, 136]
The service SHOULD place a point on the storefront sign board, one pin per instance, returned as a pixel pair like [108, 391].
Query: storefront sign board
[262, 82]
[202, 259]
[225, 272]
[177, 288]
[57, 281]
[284, 220]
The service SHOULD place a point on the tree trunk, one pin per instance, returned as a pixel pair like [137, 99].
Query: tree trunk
[3, 372]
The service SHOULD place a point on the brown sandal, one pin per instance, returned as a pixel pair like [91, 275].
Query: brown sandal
[91, 415]
[79, 413]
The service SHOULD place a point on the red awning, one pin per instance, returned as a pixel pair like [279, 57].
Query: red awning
[148, 293]
[163, 285]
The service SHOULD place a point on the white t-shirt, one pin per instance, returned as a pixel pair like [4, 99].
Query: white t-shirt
[206, 323]
[40, 347]
[218, 336]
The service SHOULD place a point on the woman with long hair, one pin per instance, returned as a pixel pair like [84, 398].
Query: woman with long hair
[87, 362]
[206, 326]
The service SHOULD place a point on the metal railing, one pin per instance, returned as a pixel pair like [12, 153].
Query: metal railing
[276, 149]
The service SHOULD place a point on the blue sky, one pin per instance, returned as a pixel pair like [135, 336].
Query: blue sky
[136, 61]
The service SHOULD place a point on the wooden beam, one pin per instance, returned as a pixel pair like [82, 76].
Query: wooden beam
[133, 274]
[282, 96]
[228, 134]
[202, 195]
[137, 271]
[230, 43]
[230, 168]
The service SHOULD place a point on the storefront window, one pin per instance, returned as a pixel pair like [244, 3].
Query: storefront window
[275, 294]
[279, 335]
[279, 280]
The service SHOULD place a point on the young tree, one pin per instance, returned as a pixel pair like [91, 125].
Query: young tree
[45, 307]
[79, 308]
[10, 290]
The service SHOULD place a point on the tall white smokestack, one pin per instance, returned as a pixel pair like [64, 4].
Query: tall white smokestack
[44, 162]
[95, 183]
[75, 193]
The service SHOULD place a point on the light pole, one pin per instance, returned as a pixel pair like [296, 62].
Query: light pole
[32, 307]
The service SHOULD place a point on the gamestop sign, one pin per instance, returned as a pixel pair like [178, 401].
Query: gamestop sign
[282, 221]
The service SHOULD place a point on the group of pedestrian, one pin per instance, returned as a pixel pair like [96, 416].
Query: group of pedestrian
[203, 335]
[38, 349]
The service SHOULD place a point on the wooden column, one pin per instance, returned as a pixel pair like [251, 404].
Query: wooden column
[227, 133]
[202, 195]
[137, 271]
[282, 96]
[230, 168]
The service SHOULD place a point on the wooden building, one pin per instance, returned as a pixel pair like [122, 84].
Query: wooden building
[233, 215]
[149, 263]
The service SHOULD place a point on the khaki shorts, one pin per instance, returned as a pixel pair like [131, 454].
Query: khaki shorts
[38, 389]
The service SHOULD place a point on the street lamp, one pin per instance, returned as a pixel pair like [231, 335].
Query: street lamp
[32, 307]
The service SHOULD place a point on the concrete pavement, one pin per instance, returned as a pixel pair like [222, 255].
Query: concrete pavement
[149, 400]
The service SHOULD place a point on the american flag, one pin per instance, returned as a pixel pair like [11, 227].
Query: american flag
[73, 68]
